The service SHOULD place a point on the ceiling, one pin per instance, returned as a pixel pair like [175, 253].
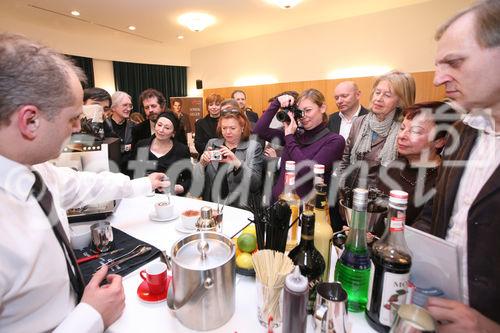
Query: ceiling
[156, 20]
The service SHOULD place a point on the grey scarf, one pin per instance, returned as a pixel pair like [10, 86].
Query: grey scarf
[387, 129]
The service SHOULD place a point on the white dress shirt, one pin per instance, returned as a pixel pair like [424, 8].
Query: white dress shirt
[35, 291]
[483, 160]
[346, 124]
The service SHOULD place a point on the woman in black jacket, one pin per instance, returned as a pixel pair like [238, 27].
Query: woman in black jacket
[172, 157]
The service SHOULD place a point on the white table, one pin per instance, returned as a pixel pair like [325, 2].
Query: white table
[132, 216]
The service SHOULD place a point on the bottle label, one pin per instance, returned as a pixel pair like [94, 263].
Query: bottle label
[290, 178]
[397, 224]
[395, 288]
[313, 284]
[370, 285]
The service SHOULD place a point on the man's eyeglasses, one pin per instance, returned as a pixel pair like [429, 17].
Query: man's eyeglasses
[230, 112]
[127, 106]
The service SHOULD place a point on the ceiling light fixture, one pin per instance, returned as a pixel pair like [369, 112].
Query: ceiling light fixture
[75, 13]
[131, 27]
[196, 21]
[180, 37]
[285, 4]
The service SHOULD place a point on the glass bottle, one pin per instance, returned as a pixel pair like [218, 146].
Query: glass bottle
[295, 302]
[319, 178]
[323, 232]
[293, 201]
[308, 258]
[391, 263]
[353, 267]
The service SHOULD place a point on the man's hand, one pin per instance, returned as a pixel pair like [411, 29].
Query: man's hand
[108, 300]
[456, 317]
[159, 181]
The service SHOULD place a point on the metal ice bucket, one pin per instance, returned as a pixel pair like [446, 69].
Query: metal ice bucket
[372, 217]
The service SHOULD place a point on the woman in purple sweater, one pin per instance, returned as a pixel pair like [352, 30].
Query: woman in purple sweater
[313, 143]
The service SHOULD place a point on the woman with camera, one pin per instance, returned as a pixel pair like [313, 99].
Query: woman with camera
[372, 139]
[163, 149]
[232, 163]
[312, 141]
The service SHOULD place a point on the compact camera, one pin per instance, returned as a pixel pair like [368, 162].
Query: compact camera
[215, 155]
[282, 115]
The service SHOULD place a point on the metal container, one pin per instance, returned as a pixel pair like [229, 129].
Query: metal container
[202, 292]
[330, 314]
[411, 318]
[372, 218]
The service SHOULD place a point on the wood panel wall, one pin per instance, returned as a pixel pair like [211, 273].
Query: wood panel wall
[258, 96]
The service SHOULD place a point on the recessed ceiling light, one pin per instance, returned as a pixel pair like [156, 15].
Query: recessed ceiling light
[286, 4]
[180, 37]
[131, 27]
[196, 21]
[75, 13]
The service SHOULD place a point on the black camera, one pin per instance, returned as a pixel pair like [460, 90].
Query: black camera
[282, 115]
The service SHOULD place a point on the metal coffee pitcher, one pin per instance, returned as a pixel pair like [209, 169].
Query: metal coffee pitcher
[330, 314]
[411, 318]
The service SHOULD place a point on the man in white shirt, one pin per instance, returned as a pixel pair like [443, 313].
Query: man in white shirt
[40, 106]
[346, 96]
[466, 206]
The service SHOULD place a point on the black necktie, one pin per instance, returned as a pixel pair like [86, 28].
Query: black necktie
[44, 198]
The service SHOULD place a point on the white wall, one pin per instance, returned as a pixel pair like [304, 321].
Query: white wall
[401, 38]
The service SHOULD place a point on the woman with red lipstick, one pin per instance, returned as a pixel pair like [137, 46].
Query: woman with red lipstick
[232, 163]
[372, 139]
[166, 151]
[422, 135]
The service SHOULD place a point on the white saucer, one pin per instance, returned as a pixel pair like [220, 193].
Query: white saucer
[182, 229]
[154, 217]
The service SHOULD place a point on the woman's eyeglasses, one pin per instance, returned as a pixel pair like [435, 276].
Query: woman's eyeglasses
[230, 112]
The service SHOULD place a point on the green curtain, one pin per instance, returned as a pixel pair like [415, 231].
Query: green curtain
[134, 78]
[87, 65]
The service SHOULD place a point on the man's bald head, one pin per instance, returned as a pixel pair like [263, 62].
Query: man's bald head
[347, 96]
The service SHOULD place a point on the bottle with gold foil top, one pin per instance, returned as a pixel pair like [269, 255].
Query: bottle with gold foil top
[293, 201]
[307, 257]
[323, 232]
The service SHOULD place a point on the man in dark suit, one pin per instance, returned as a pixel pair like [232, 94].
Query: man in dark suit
[154, 103]
[241, 98]
[346, 96]
[466, 206]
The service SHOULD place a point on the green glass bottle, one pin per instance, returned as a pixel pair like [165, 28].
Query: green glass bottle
[353, 267]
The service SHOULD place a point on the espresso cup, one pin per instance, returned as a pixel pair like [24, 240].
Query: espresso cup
[164, 209]
[189, 218]
[155, 276]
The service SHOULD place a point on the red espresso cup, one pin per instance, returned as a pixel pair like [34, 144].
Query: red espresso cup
[155, 276]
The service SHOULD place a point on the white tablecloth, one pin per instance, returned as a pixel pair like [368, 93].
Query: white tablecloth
[132, 216]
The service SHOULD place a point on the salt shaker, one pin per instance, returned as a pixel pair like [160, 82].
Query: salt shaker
[295, 298]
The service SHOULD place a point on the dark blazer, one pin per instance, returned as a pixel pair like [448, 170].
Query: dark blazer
[253, 117]
[483, 225]
[334, 120]
[141, 131]
[205, 129]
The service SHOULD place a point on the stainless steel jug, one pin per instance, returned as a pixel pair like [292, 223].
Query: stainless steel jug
[330, 314]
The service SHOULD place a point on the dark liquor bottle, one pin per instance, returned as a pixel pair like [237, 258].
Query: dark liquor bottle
[353, 267]
[391, 261]
[308, 258]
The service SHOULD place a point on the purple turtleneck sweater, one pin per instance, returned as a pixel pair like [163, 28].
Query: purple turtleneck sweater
[326, 150]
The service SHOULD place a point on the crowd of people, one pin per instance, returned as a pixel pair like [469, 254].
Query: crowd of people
[447, 160]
